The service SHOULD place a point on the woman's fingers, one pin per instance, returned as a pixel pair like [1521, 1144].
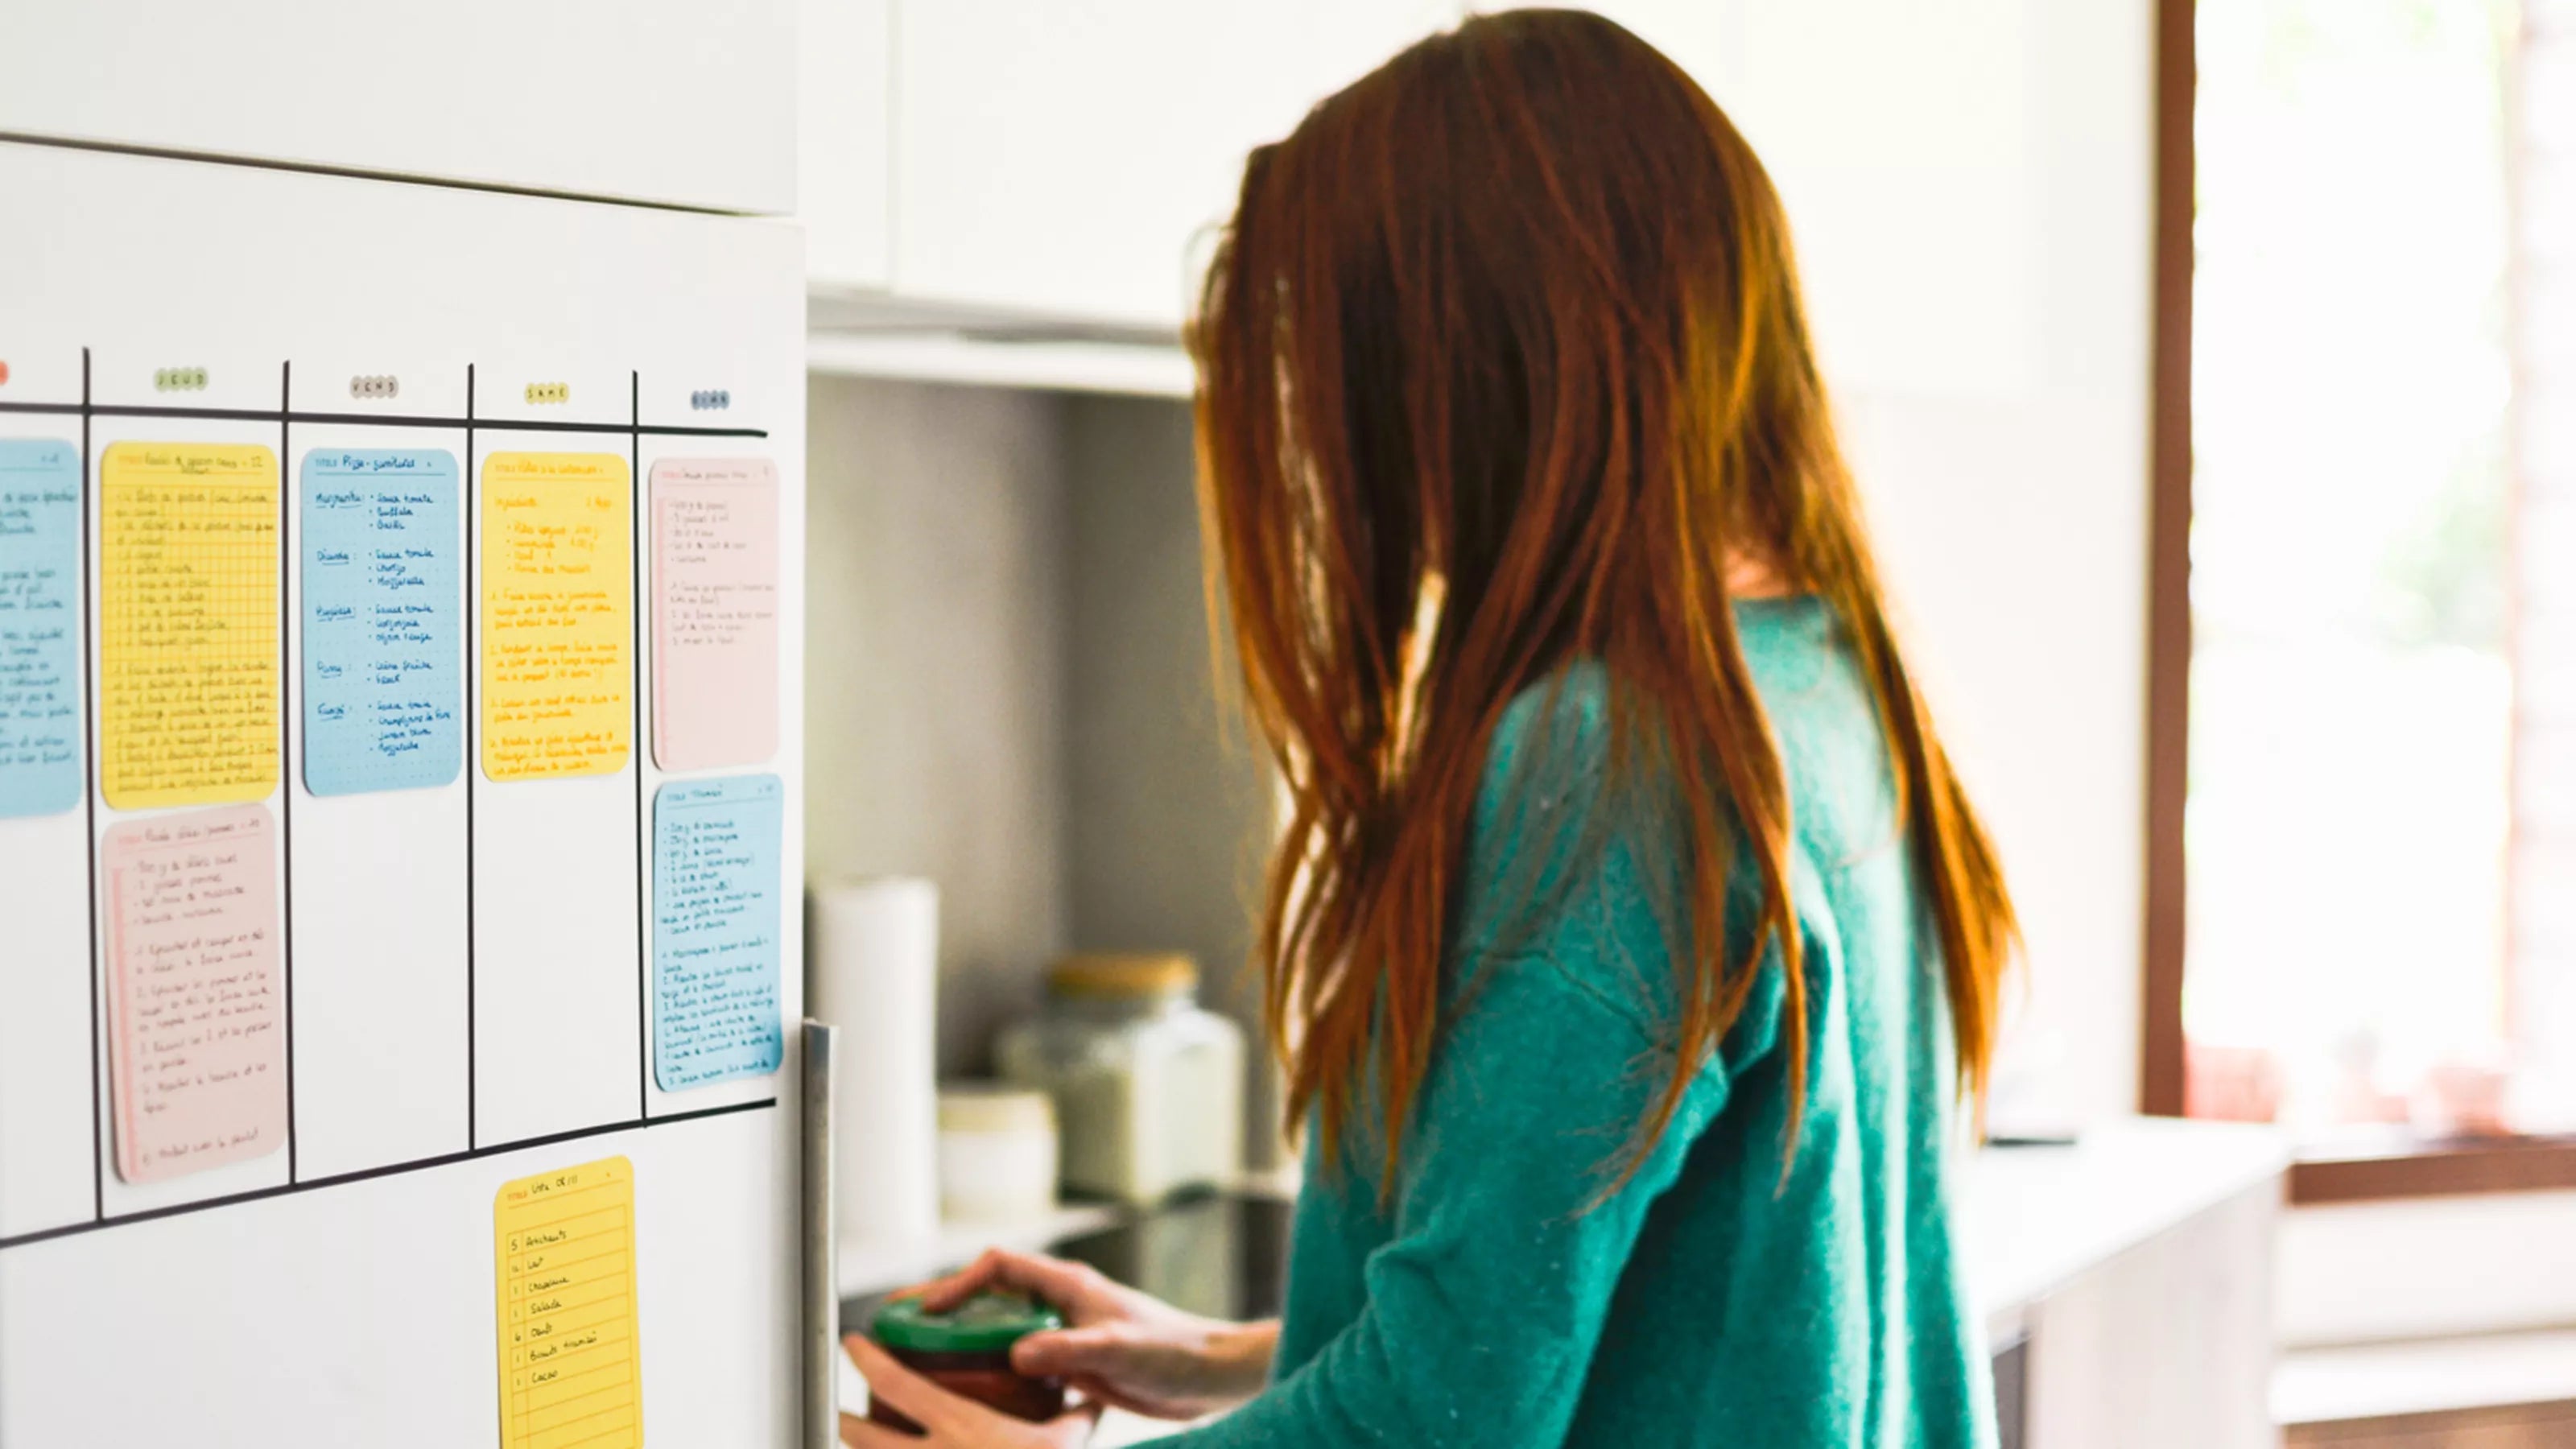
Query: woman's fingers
[1073, 1427]
[858, 1433]
[1051, 1280]
[1065, 1352]
[923, 1402]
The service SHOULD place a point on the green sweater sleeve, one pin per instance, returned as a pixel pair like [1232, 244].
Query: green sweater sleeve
[1485, 1303]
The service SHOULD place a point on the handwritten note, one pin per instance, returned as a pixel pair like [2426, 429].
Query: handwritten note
[198, 1050]
[383, 677]
[188, 671]
[558, 615]
[715, 612]
[564, 1245]
[40, 601]
[716, 929]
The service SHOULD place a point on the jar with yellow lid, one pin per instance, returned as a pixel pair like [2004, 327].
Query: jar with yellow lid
[1148, 1085]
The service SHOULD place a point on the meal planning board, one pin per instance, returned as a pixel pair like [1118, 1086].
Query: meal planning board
[399, 826]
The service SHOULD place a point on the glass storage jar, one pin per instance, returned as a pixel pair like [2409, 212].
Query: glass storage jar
[1148, 1085]
[967, 1351]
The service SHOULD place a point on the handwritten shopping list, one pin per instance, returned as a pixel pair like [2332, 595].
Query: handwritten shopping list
[188, 669]
[40, 604]
[198, 1048]
[716, 929]
[558, 615]
[383, 646]
[564, 1265]
[715, 612]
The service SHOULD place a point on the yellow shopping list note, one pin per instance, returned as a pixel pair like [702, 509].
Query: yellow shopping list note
[558, 615]
[565, 1245]
[188, 665]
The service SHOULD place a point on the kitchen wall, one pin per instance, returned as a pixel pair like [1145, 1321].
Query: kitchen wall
[935, 670]
[1009, 687]
[1170, 797]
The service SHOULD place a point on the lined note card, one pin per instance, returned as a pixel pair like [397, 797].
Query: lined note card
[197, 1047]
[564, 1250]
[383, 672]
[715, 612]
[716, 929]
[558, 615]
[40, 601]
[188, 671]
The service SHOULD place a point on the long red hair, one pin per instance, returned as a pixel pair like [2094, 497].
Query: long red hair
[1502, 365]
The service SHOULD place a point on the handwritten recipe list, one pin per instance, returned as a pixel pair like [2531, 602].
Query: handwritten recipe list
[40, 682]
[197, 1051]
[716, 930]
[558, 610]
[564, 1251]
[188, 629]
[383, 685]
[715, 612]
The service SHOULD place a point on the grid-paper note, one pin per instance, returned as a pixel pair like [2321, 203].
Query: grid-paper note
[564, 1250]
[188, 671]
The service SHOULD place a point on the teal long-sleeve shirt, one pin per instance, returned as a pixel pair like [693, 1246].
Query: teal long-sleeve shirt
[1723, 1295]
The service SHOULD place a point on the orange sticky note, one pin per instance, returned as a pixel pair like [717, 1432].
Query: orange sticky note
[558, 615]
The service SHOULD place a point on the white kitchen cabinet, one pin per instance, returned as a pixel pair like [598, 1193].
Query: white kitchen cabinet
[1965, 180]
[845, 141]
[1070, 160]
[671, 101]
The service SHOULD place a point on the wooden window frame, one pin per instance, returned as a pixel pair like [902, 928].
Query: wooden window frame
[2432, 1167]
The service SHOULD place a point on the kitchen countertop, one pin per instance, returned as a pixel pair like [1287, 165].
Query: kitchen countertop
[2031, 1219]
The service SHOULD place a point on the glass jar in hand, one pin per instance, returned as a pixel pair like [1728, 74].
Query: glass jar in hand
[967, 1351]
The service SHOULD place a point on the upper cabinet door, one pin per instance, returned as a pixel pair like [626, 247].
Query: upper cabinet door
[1072, 159]
[674, 101]
[845, 141]
[1926, 153]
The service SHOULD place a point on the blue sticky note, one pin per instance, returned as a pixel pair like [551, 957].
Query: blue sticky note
[716, 929]
[383, 630]
[40, 606]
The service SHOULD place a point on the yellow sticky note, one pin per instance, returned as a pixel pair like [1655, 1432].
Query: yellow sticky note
[188, 669]
[564, 1250]
[558, 615]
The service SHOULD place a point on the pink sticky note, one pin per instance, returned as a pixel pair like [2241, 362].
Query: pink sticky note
[198, 1043]
[715, 612]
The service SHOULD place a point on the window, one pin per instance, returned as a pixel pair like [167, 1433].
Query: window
[2379, 829]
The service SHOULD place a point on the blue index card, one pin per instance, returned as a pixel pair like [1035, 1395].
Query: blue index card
[40, 606]
[383, 629]
[716, 929]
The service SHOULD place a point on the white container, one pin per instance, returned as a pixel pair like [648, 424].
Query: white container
[1148, 1086]
[997, 1153]
[872, 969]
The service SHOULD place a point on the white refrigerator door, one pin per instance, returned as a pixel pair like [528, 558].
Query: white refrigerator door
[469, 988]
[678, 102]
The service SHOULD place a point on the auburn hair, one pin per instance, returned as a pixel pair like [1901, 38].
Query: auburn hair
[1502, 366]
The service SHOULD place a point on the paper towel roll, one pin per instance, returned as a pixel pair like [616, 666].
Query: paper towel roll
[873, 971]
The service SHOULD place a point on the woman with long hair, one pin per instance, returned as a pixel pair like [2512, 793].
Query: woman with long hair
[1630, 946]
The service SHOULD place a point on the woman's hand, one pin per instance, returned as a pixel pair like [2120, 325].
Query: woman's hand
[1120, 1347]
[948, 1421]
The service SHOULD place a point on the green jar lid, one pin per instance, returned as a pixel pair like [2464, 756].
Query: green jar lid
[989, 1322]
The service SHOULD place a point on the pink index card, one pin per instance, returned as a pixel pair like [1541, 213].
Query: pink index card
[198, 1049]
[715, 612]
